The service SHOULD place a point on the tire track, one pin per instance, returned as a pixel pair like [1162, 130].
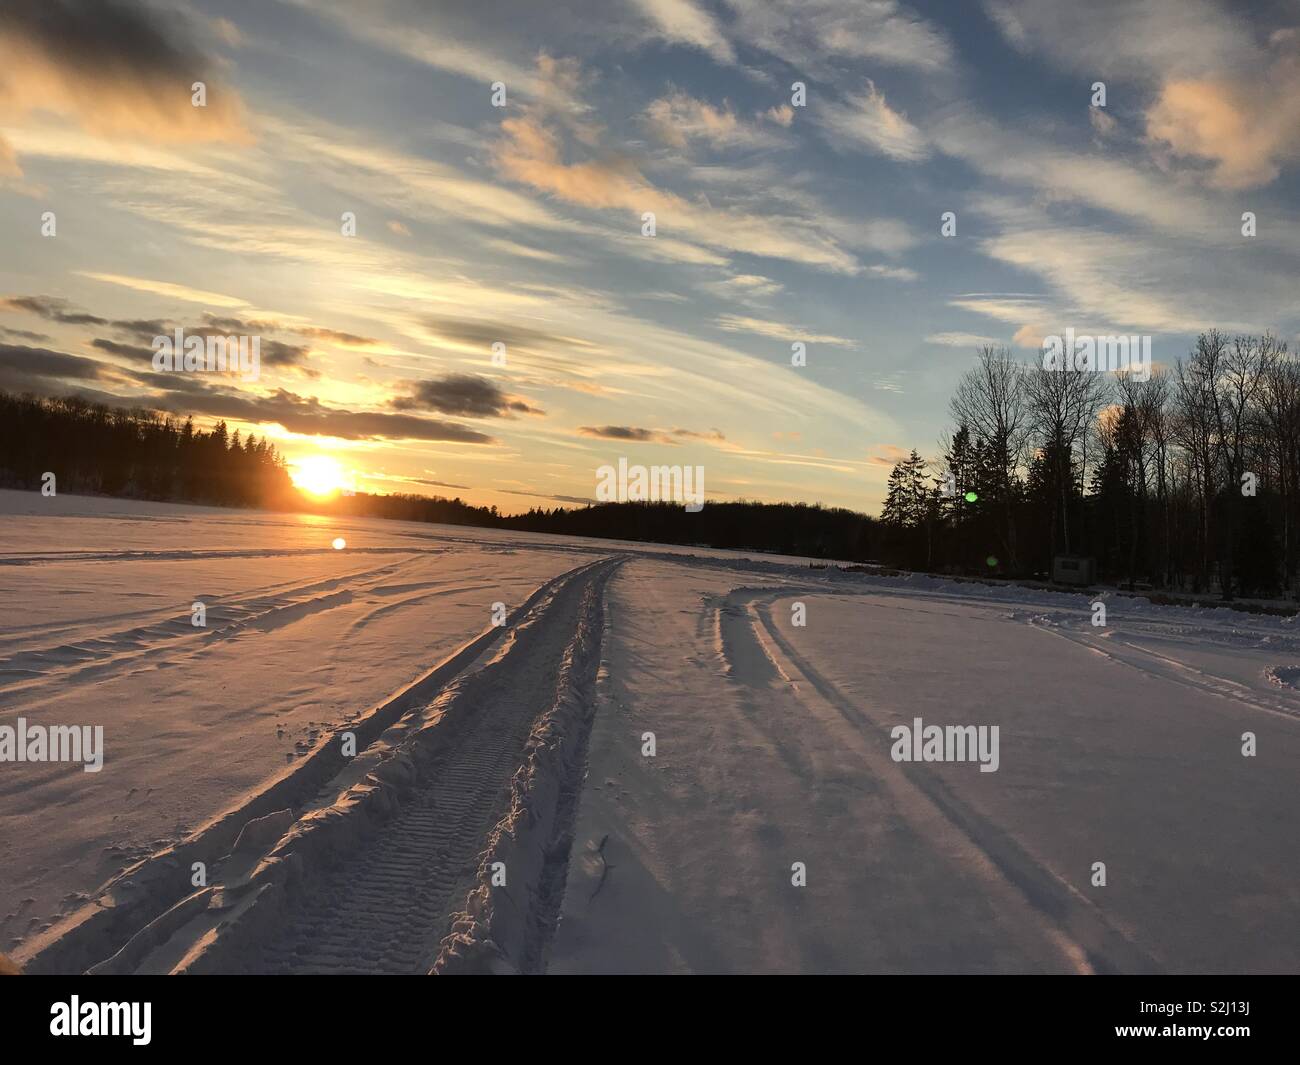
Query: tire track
[129, 925]
[169, 632]
[1149, 663]
[368, 878]
[1019, 881]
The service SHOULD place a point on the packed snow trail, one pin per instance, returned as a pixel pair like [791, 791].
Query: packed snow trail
[369, 876]
[387, 907]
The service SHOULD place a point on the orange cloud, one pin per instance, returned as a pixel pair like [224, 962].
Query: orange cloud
[117, 71]
[1247, 130]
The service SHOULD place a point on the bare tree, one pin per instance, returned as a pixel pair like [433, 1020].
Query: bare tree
[990, 401]
[1063, 405]
[1219, 391]
[1280, 403]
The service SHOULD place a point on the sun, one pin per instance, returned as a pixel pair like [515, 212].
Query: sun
[319, 475]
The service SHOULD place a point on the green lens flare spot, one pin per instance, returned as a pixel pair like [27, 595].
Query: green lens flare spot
[992, 560]
[971, 497]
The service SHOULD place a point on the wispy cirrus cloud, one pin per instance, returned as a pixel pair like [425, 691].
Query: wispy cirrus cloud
[688, 23]
[812, 33]
[738, 323]
[867, 121]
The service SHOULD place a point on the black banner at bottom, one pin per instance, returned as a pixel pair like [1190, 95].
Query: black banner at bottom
[1224, 1013]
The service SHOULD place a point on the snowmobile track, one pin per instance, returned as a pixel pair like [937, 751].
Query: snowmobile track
[367, 876]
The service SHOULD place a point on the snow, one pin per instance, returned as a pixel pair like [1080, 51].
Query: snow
[300, 638]
[1120, 744]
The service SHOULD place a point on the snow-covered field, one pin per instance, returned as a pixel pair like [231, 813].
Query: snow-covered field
[350, 767]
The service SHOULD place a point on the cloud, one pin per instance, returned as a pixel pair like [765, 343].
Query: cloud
[120, 70]
[1103, 122]
[167, 288]
[636, 434]
[31, 369]
[1246, 130]
[736, 323]
[22, 334]
[315, 332]
[273, 353]
[1067, 173]
[437, 484]
[867, 121]
[462, 394]
[578, 500]
[9, 167]
[58, 309]
[52, 309]
[337, 336]
[47, 372]
[805, 33]
[890, 455]
[1153, 40]
[478, 335]
[308, 416]
[893, 273]
[436, 47]
[625, 432]
[531, 153]
[747, 288]
[1029, 336]
[679, 118]
[1221, 94]
[687, 23]
[959, 340]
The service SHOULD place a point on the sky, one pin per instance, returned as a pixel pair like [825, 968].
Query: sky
[779, 218]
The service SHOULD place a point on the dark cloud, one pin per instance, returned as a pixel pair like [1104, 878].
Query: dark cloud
[440, 484]
[58, 309]
[142, 328]
[307, 415]
[649, 436]
[271, 352]
[544, 495]
[315, 332]
[22, 334]
[127, 39]
[274, 353]
[690, 434]
[350, 340]
[462, 394]
[46, 372]
[53, 309]
[484, 334]
[278, 353]
[121, 68]
[625, 432]
[247, 326]
[126, 351]
[26, 369]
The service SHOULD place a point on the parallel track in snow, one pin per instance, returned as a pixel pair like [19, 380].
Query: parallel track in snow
[369, 875]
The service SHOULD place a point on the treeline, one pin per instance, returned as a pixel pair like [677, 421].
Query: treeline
[1188, 481]
[406, 507]
[780, 528]
[140, 454]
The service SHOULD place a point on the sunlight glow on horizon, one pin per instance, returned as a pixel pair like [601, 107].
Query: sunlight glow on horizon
[319, 475]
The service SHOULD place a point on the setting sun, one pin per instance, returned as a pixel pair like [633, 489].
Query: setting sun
[320, 475]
